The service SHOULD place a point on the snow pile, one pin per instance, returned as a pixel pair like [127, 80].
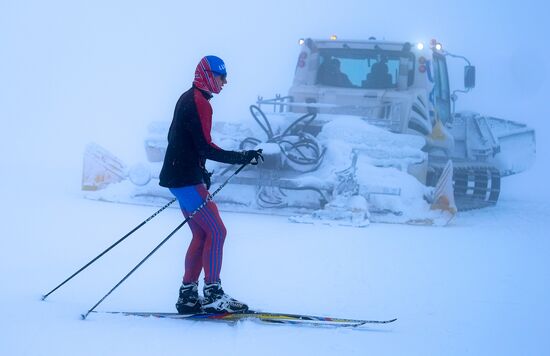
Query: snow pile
[320, 176]
[384, 148]
[380, 163]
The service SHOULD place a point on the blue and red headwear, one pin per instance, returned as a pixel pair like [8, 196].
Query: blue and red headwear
[207, 69]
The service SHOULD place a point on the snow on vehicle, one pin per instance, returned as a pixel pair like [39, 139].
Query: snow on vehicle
[366, 133]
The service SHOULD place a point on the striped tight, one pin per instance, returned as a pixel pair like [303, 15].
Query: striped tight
[206, 247]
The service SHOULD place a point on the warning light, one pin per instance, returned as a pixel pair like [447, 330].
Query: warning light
[420, 46]
[333, 38]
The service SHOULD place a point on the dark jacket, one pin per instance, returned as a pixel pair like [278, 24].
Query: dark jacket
[190, 144]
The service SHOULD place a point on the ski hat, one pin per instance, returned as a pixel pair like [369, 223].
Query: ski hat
[207, 69]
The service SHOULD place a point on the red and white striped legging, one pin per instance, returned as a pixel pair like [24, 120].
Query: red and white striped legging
[206, 247]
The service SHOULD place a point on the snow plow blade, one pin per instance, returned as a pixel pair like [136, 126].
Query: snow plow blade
[101, 168]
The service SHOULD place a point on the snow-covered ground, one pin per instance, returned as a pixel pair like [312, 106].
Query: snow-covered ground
[75, 72]
[479, 286]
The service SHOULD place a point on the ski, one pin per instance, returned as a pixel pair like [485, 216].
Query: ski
[267, 317]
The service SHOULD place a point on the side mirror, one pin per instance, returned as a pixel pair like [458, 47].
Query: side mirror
[469, 77]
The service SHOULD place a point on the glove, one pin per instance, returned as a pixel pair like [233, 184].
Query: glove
[206, 178]
[253, 156]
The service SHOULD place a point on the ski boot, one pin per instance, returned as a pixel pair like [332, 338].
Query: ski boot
[189, 301]
[216, 301]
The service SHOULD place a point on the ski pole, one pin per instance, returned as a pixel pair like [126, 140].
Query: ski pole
[109, 248]
[208, 198]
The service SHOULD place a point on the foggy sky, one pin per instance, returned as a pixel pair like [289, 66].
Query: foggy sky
[81, 71]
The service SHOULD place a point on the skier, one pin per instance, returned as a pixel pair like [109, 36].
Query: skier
[184, 173]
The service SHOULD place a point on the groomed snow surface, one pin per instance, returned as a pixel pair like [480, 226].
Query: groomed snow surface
[477, 287]
[76, 72]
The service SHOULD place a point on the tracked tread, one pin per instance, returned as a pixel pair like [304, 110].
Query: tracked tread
[475, 186]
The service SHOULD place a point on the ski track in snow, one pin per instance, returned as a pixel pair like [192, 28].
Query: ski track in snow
[479, 286]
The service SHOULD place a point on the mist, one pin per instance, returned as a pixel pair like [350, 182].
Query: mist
[75, 72]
